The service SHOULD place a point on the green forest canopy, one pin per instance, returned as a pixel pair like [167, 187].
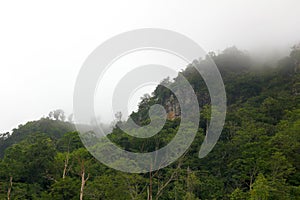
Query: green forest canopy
[257, 156]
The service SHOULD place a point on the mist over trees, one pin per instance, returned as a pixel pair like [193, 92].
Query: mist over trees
[256, 157]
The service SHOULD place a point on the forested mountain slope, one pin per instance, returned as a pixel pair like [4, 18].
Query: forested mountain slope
[256, 157]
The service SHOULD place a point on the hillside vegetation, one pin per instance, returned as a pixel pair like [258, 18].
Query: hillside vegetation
[256, 157]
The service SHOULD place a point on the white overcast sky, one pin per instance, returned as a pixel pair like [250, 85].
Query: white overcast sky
[44, 43]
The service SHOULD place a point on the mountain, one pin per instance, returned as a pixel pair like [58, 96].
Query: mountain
[243, 80]
[256, 157]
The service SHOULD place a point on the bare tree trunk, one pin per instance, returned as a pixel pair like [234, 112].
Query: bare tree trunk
[83, 180]
[161, 189]
[150, 184]
[66, 161]
[82, 186]
[9, 188]
[66, 166]
[171, 178]
[148, 193]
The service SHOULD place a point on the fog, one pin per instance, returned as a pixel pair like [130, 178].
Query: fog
[43, 44]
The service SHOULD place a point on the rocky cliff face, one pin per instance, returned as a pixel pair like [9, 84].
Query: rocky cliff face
[172, 107]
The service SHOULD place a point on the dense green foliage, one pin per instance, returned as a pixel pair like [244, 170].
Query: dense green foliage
[53, 128]
[257, 156]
